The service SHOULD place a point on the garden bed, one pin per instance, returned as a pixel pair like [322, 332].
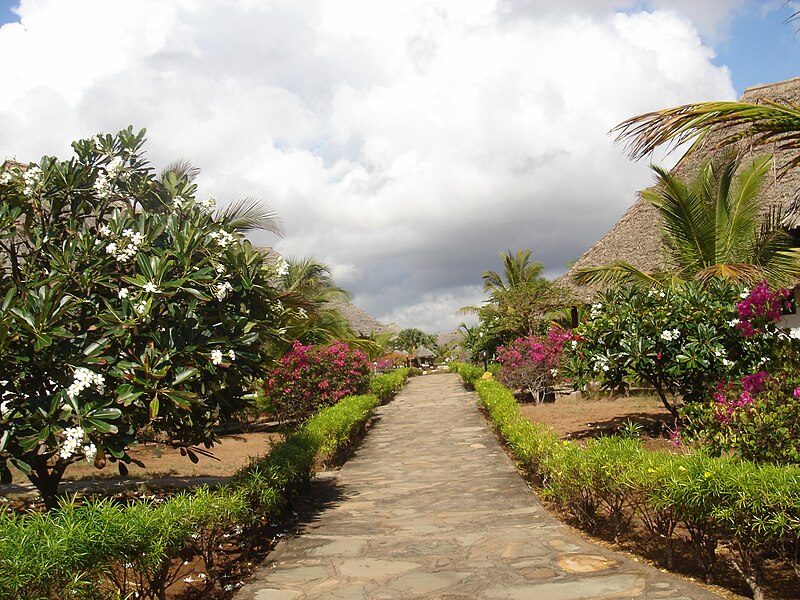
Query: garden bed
[574, 418]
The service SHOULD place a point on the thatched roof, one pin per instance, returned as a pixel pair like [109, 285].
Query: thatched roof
[636, 237]
[360, 322]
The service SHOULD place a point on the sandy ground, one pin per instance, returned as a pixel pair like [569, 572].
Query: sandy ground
[577, 418]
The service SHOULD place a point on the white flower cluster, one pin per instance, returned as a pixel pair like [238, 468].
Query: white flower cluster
[223, 237]
[84, 378]
[597, 307]
[670, 334]
[103, 186]
[600, 363]
[74, 439]
[282, 267]
[208, 206]
[216, 356]
[733, 322]
[223, 289]
[150, 288]
[32, 179]
[126, 246]
[6, 177]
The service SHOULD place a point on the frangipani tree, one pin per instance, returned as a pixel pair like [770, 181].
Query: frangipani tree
[127, 310]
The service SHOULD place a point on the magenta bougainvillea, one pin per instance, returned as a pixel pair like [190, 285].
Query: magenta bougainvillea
[310, 377]
[761, 306]
[532, 363]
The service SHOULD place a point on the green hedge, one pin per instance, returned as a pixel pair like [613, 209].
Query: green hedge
[470, 374]
[753, 508]
[100, 549]
[386, 385]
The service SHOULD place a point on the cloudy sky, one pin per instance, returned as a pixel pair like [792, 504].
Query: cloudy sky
[404, 143]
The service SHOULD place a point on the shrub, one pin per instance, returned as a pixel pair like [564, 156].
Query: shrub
[126, 310]
[752, 508]
[680, 341]
[533, 363]
[308, 378]
[756, 417]
[386, 385]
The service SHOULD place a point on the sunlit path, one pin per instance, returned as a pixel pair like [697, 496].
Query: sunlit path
[431, 507]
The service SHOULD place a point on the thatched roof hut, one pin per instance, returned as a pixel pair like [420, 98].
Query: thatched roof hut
[636, 237]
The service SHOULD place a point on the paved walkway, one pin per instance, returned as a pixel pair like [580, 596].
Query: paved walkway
[431, 507]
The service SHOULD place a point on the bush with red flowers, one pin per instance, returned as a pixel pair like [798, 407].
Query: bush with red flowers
[308, 378]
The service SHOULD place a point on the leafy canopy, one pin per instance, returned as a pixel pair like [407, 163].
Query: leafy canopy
[127, 310]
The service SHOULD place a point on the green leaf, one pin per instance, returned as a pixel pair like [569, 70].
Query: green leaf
[21, 465]
[126, 394]
[100, 426]
[184, 375]
[154, 405]
[106, 413]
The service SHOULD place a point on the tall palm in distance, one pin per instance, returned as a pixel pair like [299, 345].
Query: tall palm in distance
[518, 270]
[712, 229]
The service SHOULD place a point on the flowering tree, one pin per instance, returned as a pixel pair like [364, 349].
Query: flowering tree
[310, 377]
[127, 310]
[679, 341]
[533, 363]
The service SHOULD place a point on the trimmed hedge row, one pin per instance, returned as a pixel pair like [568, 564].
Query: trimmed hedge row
[100, 549]
[752, 509]
[387, 384]
[470, 373]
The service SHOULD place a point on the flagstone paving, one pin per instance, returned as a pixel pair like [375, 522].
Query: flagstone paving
[430, 506]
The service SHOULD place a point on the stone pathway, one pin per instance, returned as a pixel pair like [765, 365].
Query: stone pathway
[431, 507]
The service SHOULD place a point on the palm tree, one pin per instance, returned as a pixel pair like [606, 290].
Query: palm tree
[517, 271]
[712, 229]
[313, 280]
[762, 124]
[242, 215]
[308, 285]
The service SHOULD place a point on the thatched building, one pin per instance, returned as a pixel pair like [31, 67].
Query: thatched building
[636, 237]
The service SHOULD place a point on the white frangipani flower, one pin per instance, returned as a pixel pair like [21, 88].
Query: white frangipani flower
[216, 357]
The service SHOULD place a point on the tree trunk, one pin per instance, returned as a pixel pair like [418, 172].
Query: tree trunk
[46, 480]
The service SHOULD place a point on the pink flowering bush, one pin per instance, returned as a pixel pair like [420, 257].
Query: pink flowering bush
[756, 417]
[761, 308]
[533, 363]
[308, 378]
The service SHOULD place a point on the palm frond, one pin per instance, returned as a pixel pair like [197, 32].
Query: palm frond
[740, 273]
[618, 273]
[767, 123]
[247, 214]
[181, 168]
[743, 203]
[688, 228]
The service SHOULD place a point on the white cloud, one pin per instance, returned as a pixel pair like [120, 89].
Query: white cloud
[404, 143]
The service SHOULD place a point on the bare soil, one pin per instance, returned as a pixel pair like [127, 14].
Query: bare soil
[226, 457]
[575, 417]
